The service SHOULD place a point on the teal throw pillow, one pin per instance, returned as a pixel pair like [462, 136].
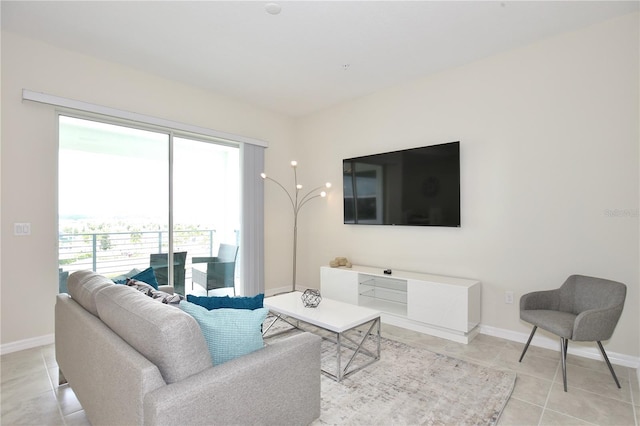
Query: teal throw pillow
[146, 276]
[218, 302]
[229, 333]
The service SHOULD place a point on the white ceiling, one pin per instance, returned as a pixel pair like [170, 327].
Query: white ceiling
[312, 55]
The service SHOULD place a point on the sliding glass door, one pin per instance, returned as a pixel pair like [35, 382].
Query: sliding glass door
[131, 199]
[206, 211]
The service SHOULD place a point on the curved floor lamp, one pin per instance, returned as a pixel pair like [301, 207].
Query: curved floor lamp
[297, 202]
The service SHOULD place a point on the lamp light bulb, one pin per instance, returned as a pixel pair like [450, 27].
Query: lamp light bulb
[298, 186]
[294, 163]
[323, 194]
[263, 175]
[328, 184]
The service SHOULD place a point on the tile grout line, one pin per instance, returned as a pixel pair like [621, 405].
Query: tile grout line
[633, 405]
[53, 386]
[573, 417]
[546, 401]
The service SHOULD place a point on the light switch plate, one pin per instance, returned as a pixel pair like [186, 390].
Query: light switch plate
[508, 297]
[22, 229]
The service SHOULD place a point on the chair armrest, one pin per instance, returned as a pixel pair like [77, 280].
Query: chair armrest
[247, 389]
[596, 324]
[546, 299]
[221, 266]
[166, 288]
[202, 259]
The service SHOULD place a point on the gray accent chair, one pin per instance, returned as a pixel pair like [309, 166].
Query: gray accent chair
[583, 309]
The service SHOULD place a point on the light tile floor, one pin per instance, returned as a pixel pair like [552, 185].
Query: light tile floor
[29, 394]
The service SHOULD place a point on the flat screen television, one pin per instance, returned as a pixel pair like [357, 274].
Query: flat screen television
[415, 187]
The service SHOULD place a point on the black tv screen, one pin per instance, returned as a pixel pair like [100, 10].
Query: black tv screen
[416, 187]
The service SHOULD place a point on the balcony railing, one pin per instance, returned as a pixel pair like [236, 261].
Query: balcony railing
[115, 253]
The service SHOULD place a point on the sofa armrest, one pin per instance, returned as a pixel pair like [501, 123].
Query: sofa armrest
[276, 385]
[202, 259]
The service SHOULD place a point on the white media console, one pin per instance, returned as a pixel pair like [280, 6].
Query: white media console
[433, 304]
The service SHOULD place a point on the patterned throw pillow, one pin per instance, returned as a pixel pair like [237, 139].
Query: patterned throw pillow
[229, 333]
[169, 299]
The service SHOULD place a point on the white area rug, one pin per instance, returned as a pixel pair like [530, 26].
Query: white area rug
[412, 386]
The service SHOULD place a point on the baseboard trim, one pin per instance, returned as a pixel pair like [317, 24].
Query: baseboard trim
[553, 344]
[21, 345]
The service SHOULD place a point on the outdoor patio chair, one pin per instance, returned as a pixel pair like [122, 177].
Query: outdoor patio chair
[158, 261]
[216, 272]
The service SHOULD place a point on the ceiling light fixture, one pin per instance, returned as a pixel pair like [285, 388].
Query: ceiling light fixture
[273, 8]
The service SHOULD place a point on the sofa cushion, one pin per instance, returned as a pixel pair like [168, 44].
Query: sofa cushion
[165, 335]
[229, 333]
[217, 302]
[83, 287]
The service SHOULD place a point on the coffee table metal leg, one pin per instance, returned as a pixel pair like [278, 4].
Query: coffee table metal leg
[357, 346]
[338, 357]
[264, 332]
[361, 349]
[283, 318]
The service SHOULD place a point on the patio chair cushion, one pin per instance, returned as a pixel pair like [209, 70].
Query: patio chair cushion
[229, 333]
[218, 302]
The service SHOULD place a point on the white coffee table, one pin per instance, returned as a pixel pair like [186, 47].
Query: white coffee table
[335, 317]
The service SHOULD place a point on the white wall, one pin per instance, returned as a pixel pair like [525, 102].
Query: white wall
[28, 279]
[549, 143]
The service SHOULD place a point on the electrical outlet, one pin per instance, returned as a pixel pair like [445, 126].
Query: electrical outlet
[21, 229]
[508, 297]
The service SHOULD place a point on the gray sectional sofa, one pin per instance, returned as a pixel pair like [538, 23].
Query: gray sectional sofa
[132, 360]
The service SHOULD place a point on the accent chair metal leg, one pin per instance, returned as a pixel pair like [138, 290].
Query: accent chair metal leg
[606, 359]
[563, 349]
[535, 327]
